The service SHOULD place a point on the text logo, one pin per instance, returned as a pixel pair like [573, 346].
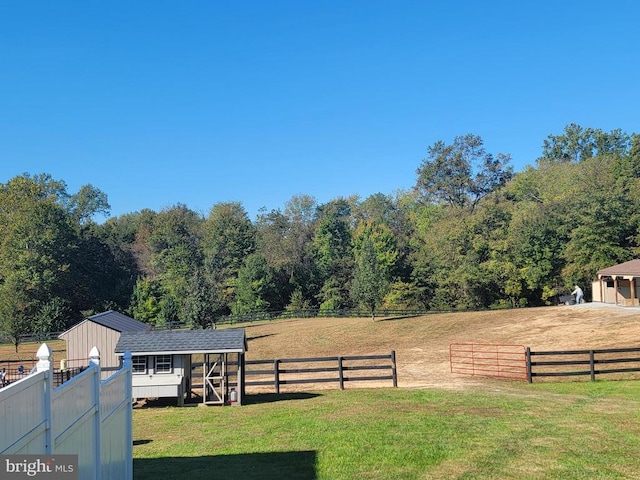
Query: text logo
[51, 467]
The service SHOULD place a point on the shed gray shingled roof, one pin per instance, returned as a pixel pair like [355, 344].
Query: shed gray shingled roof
[630, 268]
[118, 322]
[182, 341]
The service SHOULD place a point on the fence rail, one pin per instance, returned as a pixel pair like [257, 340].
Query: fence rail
[625, 360]
[291, 371]
[516, 362]
[313, 313]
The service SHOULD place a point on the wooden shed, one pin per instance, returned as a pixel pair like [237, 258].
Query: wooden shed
[618, 284]
[103, 331]
[187, 364]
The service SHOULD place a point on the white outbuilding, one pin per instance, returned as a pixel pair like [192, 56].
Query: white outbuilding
[164, 362]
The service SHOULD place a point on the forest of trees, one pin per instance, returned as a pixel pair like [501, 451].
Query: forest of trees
[472, 234]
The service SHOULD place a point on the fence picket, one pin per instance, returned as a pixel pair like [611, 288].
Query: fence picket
[83, 416]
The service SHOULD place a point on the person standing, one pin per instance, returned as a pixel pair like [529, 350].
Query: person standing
[577, 291]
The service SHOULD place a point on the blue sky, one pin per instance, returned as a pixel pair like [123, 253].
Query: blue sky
[201, 102]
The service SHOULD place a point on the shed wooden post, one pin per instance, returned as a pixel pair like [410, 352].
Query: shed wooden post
[241, 378]
[205, 386]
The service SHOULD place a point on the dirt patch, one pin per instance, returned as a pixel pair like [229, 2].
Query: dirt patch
[422, 343]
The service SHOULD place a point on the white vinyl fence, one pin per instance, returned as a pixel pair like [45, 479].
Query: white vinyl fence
[84, 416]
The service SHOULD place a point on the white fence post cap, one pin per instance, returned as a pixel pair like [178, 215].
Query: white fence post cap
[44, 352]
[94, 355]
[44, 358]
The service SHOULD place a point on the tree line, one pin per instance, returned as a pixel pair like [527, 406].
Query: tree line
[471, 234]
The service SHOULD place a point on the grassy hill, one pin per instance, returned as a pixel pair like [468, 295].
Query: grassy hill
[422, 343]
[484, 429]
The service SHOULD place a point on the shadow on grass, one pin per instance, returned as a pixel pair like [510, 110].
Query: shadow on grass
[249, 466]
[251, 399]
[399, 317]
[156, 403]
[277, 397]
[249, 339]
[141, 442]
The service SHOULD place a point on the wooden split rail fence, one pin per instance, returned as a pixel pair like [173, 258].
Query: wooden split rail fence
[586, 362]
[340, 370]
[516, 362]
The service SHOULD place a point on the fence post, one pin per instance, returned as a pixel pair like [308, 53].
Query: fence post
[340, 373]
[592, 365]
[527, 355]
[94, 364]
[394, 371]
[127, 364]
[44, 365]
[276, 373]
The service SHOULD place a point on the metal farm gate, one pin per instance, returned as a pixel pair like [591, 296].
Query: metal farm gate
[489, 360]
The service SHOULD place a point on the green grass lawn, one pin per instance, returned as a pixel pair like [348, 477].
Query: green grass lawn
[506, 431]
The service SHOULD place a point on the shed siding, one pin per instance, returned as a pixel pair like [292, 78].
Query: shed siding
[86, 335]
[159, 385]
